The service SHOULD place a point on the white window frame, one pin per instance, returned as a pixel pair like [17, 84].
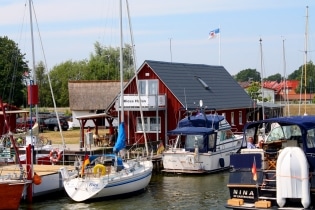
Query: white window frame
[232, 118]
[240, 117]
[148, 87]
[148, 125]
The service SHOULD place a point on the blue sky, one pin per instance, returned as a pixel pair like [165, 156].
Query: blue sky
[165, 30]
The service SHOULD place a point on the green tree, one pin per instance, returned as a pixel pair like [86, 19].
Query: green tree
[12, 67]
[276, 77]
[104, 63]
[59, 77]
[44, 92]
[254, 91]
[248, 75]
[308, 82]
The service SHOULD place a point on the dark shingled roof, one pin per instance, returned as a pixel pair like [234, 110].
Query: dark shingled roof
[220, 92]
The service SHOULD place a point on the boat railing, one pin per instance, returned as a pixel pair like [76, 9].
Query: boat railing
[230, 142]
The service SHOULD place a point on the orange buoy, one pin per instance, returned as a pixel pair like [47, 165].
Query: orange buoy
[37, 179]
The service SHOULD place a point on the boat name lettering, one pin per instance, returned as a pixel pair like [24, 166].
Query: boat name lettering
[243, 193]
[93, 185]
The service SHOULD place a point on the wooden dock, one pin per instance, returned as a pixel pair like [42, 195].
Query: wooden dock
[41, 170]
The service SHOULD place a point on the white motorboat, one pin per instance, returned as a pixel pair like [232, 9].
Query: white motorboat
[203, 144]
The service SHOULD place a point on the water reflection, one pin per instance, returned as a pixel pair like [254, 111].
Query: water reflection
[163, 192]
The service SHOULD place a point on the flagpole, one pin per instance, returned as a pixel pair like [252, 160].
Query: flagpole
[213, 34]
[220, 46]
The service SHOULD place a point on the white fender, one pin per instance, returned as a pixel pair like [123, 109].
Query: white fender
[292, 176]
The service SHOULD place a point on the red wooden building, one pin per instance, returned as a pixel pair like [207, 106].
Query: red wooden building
[167, 89]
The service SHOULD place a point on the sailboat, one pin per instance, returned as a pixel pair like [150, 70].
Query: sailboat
[109, 175]
[12, 185]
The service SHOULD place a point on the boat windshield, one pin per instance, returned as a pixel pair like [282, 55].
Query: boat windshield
[284, 133]
[311, 138]
[193, 141]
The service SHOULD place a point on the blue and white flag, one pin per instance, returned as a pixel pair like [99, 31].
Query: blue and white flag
[213, 33]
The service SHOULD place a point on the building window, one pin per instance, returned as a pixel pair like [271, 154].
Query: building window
[240, 118]
[148, 87]
[142, 84]
[232, 118]
[151, 124]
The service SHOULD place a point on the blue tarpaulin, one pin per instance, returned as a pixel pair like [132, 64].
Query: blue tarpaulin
[120, 143]
[191, 131]
[201, 120]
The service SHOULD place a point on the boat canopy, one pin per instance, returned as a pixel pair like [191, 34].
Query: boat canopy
[201, 120]
[305, 122]
[191, 131]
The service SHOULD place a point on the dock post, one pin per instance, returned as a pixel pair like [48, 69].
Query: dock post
[29, 172]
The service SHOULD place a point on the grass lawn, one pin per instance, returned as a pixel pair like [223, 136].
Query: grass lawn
[70, 136]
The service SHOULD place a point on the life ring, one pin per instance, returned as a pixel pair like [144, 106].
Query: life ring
[55, 155]
[98, 167]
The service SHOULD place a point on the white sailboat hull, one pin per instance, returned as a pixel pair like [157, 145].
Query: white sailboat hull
[115, 183]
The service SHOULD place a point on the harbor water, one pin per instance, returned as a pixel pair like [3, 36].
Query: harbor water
[163, 192]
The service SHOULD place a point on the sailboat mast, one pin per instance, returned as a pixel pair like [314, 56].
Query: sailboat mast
[33, 80]
[305, 61]
[121, 65]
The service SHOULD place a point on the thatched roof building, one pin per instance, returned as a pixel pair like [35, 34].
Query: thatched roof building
[90, 95]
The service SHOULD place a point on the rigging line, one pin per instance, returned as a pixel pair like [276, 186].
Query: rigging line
[13, 79]
[49, 81]
[137, 79]
[15, 61]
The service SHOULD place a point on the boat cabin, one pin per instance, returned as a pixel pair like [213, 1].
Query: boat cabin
[280, 170]
[200, 132]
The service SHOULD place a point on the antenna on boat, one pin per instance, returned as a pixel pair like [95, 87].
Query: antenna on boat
[262, 88]
[262, 80]
[305, 62]
[200, 103]
[171, 50]
[185, 98]
[286, 99]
